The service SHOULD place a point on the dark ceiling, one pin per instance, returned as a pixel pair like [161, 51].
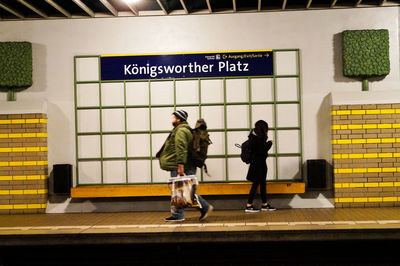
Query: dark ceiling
[69, 9]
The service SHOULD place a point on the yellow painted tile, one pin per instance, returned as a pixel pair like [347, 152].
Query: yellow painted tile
[43, 148]
[42, 191]
[17, 135]
[384, 126]
[5, 192]
[388, 111]
[345, 199]
[375, 199]
[18, 121]
[358, 112]
[336, 156]
[334, 141]
[370, 155]
[396, 184]
[34, 206]
[386, 184]
[333, 113]
[346, 185]
[15, 163]
[356, 156]
[30, 163]
[5, 177]
[360, 199]
[44, 206]
[373, 112]
[371, 184]
[385, 155]
[5, 149]
[387, 199]
[33, 149]
[396, 154]
[3, 136]
[33, 177]
[20, 206]
[5, 122]
[344, 141]
[389, 169]
[30, 191]
[373, 140]
[343, 127]
[30, 135]
[18, 149]
[345, 156]
[356, 184]
[43, 121]
[32, 121]
[359, 170]
[397, 111]
[16, 192]
[338, 185]
[335, 127]
[370, 126]
[355, 126]
[391, 140]
[41, 135]
[397, 140]
[359, 141]
[19, 177]
[6, 207]
[396, 125]
[43, 177]
[344, 112]
[335, 171]
[345, 171]
[374, 170]
[42, 162]
[3, 163]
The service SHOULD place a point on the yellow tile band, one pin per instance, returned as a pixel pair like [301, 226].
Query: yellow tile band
[24, 149]
[23, 177]
[367, 184]
[23, 135]
[372, 199]
[368, 112]
[23, 121]
[365, 126]
[22, 206]
[24, 163]
[366, 170]
[365, 155]
[363, 141]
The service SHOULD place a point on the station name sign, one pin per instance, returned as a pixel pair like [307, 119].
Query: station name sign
[187, 65]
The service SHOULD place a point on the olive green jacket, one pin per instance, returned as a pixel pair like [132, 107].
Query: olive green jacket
[177, 148]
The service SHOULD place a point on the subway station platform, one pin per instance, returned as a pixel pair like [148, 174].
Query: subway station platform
[316, 232]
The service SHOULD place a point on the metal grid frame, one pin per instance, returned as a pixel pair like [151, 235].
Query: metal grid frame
[225, 130]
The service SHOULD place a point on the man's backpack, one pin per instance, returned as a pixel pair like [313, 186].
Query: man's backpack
[245, 154]
[201, 141]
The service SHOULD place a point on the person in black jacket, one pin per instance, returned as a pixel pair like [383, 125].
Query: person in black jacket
[257, 173]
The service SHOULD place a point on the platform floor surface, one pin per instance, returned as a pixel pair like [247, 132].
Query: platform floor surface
[237, 220]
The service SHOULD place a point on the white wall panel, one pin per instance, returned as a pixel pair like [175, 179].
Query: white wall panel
[88, 121]
[114, 172]
[114, 145]
[139, 171]
[87, 69]
[88, 95]
[89, 172]
[137, 93]
[112, 94]
[113, 120]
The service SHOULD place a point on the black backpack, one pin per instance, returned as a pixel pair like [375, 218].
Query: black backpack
[245, 154]
[201, 141]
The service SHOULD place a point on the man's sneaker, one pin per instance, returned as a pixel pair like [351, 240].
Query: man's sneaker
[205, 214]
[251, 209]
[267, 208]
[174, 219]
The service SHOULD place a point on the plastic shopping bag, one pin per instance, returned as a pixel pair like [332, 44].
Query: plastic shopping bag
[183, 191]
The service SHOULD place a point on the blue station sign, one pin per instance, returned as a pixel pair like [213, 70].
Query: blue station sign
[187, 65]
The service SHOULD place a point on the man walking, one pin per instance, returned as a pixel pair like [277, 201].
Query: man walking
[175, 157]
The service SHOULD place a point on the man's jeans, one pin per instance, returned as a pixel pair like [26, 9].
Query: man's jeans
[179, 213]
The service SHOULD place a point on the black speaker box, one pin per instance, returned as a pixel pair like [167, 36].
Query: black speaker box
[316, 173]
[62, 178]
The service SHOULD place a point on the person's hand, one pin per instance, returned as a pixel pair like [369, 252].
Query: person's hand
[181, 169]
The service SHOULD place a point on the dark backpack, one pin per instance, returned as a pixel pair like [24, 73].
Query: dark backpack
[201, 141]
[245, 154]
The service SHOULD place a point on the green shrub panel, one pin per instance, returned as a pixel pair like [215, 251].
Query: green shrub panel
[15, 65]
[365, 53]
